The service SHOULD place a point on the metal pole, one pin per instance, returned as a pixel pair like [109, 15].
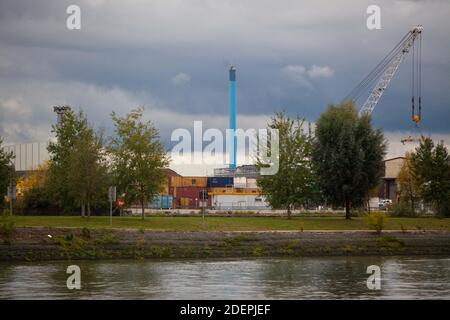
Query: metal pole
[232, 123]
[110, 213]
[203, 210]
[203, 204]
[10, 206]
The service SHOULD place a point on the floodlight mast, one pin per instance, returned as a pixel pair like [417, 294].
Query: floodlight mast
[59, 110]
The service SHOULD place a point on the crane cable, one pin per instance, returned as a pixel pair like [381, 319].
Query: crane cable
[416, 85]
[377, 71]
[413, 78]
[420, 76]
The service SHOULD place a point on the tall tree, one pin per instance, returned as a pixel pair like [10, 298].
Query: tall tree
[431, 169]
[348, 155]
[293, 185]
[6, 170]
[138, 158]
[60, 150]
[87, 171]
[408, 192]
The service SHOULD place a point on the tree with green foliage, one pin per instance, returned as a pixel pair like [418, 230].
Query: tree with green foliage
[348, 156]
[60, 150]
[431, 170]
[138, 158]
[407, 190]
[294, 185]
[6, 170]
[87, 172]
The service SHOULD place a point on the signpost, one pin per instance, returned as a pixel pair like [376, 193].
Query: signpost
[203, 195]
[120, 203]
[112, 198]
[11, 196]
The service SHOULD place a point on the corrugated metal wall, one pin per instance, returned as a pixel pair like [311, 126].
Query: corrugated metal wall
[28, 156]
[238, 202]
[186, 197]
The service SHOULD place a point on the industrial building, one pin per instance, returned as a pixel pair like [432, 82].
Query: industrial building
[230, 189]
[388, 188]
[223, 193]
[28, 156]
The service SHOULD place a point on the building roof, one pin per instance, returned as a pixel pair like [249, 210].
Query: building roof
[385, 160]
[171, 173]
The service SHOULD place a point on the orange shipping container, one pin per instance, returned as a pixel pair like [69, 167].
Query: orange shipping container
[178, 181]
[234, 191]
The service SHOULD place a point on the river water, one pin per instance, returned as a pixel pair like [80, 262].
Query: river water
[296, 278]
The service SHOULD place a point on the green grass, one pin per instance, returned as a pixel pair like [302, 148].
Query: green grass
[231, 223]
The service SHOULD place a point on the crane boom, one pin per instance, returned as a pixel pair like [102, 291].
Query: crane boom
[390, 67]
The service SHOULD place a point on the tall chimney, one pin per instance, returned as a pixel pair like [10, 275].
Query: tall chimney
[232, 118]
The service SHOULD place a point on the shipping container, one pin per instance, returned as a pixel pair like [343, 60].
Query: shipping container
[238, 191]
[220, 190]
[219, 182]
[162, 202]
[179, 181]
[240, 182]
[239, 202]
[251, 183]
[187, 197]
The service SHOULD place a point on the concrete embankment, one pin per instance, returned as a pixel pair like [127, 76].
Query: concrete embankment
[34, 244]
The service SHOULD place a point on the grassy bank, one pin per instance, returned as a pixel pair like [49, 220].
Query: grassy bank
[38, 244]
[231, 223]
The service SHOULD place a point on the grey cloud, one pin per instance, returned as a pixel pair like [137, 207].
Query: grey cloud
[127, 54]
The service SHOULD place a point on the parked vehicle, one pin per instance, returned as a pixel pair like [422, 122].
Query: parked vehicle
[384, 204]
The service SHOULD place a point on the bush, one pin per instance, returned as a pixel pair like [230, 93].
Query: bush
[401, 209]
[376, 220]
[7, 229]
[86, 233]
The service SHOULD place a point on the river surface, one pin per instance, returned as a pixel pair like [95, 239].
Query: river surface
[296, 278]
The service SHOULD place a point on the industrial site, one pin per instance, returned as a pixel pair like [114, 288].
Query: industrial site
[203, 151]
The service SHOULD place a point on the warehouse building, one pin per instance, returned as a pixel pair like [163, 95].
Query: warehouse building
[388, 188]
[28, 156]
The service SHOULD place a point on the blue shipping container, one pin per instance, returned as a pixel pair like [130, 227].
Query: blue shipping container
[219, 182]
[162, 202]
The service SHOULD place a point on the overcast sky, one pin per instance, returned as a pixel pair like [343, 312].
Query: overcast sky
[171, 56]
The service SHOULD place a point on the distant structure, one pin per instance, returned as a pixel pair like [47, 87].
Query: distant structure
[28, 156]
[250, 171]
[59, 110]
[389, 181]
[232, 99]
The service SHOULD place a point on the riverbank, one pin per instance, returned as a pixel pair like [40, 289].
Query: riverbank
[40, 243]
[231, 223]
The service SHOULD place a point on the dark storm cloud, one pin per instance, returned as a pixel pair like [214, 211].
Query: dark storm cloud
[290, 55]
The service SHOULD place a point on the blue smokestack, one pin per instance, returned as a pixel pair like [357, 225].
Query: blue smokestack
[233, 118]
